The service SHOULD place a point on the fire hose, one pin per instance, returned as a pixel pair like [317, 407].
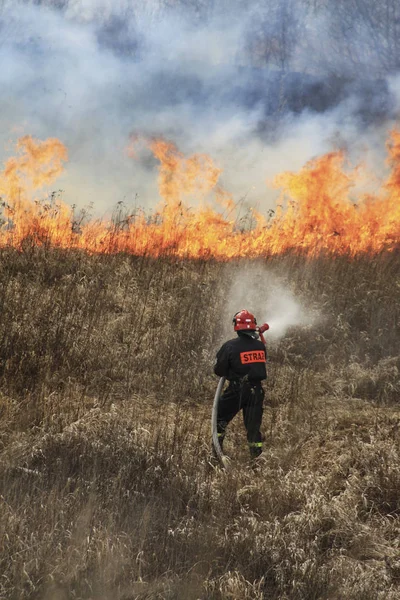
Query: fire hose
[214, 431]
[220, 455]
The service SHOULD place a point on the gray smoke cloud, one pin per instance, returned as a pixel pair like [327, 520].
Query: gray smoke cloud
[212, 77]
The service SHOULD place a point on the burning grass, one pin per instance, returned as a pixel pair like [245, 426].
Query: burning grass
[318, 209]
[106, 486]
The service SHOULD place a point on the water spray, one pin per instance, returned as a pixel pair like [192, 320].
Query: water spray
[224, 460]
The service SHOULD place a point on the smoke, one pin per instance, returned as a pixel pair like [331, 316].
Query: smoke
[233, 79]
[269, 297]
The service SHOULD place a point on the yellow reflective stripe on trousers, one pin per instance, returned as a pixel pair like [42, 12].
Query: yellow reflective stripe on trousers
[255, 444]
[220, 434]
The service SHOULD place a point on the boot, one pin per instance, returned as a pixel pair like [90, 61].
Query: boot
[255, 449]
[221, 437]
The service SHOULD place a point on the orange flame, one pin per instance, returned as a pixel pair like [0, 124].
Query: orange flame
[37, 164]
[314, 212]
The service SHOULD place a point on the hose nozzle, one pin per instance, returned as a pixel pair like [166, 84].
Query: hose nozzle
[263, 328]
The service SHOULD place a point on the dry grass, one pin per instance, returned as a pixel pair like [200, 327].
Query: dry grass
[106, 485]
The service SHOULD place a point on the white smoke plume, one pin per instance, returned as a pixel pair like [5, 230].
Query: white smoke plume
[91, 72]
[269, 297]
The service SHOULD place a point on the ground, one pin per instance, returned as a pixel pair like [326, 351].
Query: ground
[107, 485]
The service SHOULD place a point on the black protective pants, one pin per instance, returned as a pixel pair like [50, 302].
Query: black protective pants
[248, 397]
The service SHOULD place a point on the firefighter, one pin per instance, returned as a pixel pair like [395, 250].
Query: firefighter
[242, 361]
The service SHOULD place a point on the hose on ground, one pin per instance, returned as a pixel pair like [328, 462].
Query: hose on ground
[221, 457]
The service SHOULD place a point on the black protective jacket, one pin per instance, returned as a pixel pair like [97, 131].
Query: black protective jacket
[241, 357]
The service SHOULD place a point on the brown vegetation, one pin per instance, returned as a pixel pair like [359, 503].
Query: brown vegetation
[106, 385]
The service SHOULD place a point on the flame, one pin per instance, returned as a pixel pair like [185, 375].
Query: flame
[37, 165]
[314, 213]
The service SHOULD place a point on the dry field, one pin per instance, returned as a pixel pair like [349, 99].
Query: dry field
[106, 387]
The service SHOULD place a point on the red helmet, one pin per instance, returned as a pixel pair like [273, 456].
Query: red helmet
[243, 320]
